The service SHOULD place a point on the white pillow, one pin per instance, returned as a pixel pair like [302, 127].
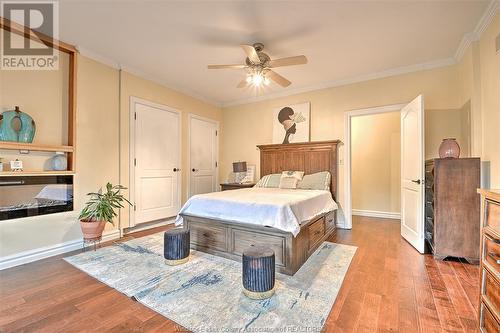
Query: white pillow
[272, 180]
[315, 181]
[289, 179]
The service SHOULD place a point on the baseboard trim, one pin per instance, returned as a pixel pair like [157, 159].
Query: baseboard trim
[375, 213]
[49, 251]
[148, 225]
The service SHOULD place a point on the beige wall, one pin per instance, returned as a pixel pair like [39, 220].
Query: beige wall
[102, 138]
[441, 124]
[479, 84]
[245, 126]
[490, 99]
[135, 86]
[376, 154]
[97, 157]
[46, 103]
[102, 126]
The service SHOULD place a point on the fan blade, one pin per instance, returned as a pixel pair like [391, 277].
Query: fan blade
[277, 78]
[251, 53]
[289, 61]
[227, 66]
[243, 83]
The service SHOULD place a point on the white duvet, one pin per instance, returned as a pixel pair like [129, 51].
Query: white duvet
[273, 207]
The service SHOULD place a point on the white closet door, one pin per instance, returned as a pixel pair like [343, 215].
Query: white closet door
[202, 155]
[412, 173]
[157, 163]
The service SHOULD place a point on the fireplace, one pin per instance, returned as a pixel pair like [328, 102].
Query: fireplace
[25, 196]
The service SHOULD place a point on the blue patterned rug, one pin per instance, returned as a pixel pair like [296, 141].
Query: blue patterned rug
[205, 295]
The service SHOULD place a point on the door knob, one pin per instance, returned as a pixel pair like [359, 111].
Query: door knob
[176, 169]
[417, 181]
[194, 170]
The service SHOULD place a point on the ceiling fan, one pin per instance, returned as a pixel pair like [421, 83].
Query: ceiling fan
[259, 66]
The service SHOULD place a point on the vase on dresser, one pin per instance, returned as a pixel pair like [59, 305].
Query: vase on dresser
[449, 148]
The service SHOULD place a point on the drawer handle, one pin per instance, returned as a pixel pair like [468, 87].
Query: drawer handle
[317, 232]
[206, 234]
[494, 257]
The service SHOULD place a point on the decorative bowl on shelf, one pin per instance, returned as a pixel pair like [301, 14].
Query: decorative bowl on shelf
[59, 162]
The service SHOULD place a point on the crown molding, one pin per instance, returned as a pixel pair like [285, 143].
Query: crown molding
[344, 82]
[143, 75]
[467, 40]
[157, 80]
[487, 17]
[465, 43]
[97, 57]
[481, 26]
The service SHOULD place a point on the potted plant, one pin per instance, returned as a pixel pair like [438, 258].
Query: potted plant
[100, 209]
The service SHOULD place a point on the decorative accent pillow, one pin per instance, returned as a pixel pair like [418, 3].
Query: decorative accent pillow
[289, 179]
[272, 180]
[315, 181]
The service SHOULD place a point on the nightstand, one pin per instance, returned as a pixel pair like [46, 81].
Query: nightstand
[235, 186]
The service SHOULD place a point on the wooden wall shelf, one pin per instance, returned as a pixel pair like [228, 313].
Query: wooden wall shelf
[70, 150]
[35, 147]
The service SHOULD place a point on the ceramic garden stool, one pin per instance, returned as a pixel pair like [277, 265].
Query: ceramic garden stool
[258, 272]
[176, 246]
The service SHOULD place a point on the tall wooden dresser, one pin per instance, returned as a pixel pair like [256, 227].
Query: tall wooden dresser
[452, 207]
[489, 311]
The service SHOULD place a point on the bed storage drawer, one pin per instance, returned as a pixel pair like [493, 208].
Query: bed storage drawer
[330, 221]
[206, 235]
[242, 240]
[316, 232]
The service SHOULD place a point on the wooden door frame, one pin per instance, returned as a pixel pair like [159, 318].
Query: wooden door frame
[347, 152]
[137, 100]
[217, 124]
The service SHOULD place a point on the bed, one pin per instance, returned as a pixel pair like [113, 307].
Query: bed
[228, 229]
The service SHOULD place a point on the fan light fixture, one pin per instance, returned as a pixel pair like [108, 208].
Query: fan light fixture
[259, 67]
[257, 79]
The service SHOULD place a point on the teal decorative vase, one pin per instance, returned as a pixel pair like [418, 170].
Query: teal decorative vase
[17, 126]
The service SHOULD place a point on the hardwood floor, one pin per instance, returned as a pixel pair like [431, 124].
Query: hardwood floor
[389, 288]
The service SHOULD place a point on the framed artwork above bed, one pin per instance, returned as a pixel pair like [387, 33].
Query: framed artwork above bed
[291, 123]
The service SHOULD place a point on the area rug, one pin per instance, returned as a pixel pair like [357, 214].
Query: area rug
[204, 295]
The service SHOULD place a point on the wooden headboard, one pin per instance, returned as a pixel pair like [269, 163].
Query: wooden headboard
[309, 157]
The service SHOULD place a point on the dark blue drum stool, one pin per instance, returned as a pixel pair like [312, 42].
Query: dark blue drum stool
[176, 244]
[258, 272]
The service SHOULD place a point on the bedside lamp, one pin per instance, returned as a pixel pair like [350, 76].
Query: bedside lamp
[239, 169]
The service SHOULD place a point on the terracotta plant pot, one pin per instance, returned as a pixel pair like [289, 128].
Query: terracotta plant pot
[92, 230]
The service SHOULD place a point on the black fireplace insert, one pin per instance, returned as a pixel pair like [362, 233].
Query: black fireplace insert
[25, 196]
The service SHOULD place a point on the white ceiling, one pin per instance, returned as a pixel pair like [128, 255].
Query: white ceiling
[172, 41]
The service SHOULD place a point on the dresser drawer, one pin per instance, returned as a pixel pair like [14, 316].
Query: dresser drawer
[242, 240]
[208, 235]
[492, 214]
[492, 252]
[492, 290]
[316, 232]
[488, 322]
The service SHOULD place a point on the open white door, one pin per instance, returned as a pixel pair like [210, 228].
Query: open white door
[412, 173]
[203, 149]
[156, 162]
